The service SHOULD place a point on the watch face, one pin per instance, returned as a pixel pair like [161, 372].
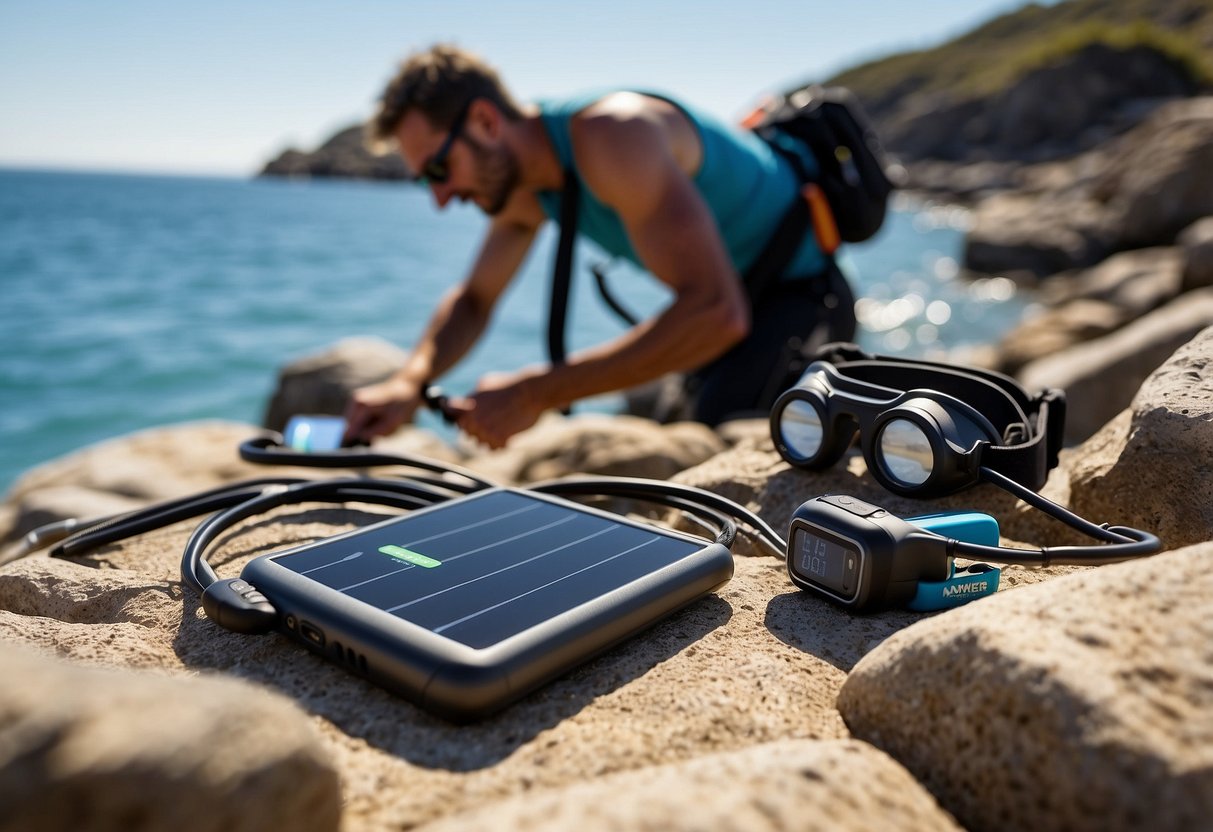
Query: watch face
[826, 560]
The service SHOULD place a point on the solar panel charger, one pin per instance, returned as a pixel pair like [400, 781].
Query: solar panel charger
[465, 607]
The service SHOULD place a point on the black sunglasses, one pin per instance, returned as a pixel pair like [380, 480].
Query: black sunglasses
[437, 169]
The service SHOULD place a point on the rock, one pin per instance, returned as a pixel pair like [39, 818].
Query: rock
[1160, 179]
[343, 155]
[964, 182]
[794, 784]
[757, 662]
[594, 443]
[1083, 703]
[1149, 467]
[736, 431]
[321, 383]
[1100, 377]
[88, 749]
[1075, 102]
[1140, 190]
[1014, 232]
[1196, 242]
[142, 467]
[1054, 330]
[130, 471]
[1135, 282]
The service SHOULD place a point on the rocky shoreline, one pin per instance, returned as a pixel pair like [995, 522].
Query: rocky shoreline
[1073, 698]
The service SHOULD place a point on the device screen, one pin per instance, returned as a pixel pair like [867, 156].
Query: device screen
[481, 569]
[825, 560]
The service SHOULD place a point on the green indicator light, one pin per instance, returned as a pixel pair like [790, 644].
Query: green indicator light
[410, 556]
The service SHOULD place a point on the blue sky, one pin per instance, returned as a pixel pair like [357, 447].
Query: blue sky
[220, 87]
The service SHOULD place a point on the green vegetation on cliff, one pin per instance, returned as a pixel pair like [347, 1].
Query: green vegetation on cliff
[994, 55]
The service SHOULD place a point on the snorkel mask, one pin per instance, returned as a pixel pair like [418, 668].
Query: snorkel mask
[926, 429]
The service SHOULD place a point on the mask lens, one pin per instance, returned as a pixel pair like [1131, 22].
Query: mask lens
[905, 452]
[800, 429]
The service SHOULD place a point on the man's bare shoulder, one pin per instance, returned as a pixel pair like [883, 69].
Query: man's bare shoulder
[627, 135]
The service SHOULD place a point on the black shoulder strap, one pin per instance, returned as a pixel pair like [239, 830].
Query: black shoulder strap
[562, 272]
[774, 258]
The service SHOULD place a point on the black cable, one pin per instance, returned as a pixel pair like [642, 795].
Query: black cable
[269, 450]
[398, 493]
[1052, 509]
[1120, 542]
[116, 527]
[653, 490]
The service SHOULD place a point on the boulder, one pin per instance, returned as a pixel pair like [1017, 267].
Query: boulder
[90, 749]
[1135, 282]
[321, 383]
[1050, 331]
[1160, 178]
[1196, 242]
[1025, 233]
[594, 443]
[794, 784]
[1083, 703]
[757, 662]
[1142, 189]
[1101, 377]
[1149, 467]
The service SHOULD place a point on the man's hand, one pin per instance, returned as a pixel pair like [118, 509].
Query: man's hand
[379, 409]
[503, 405]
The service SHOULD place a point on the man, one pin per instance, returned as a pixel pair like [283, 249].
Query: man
[692, 201]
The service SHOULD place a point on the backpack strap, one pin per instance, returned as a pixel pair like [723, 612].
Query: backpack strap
[562, 271]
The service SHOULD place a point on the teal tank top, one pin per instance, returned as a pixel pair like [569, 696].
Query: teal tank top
[747, 186]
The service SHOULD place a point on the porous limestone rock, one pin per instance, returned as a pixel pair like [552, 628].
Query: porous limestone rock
[595, 443]
[756, 662]
[789, 785]
[88, 749]
[1101, 377]
[1150, 466]
[1082, 703]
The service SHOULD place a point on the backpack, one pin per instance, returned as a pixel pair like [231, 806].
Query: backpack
[853, 176]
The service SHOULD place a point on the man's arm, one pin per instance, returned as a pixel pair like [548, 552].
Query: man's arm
[454, 327]
[636, 155]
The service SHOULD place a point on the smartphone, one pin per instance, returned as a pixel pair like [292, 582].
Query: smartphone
[464, 607]
[314, 433]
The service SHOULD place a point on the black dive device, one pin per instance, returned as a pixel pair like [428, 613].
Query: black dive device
[864, 558]
[860, 555]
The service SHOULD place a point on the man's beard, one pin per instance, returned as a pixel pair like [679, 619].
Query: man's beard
[497, 175]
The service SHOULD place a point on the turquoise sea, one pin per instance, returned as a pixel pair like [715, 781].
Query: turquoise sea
[133, 301]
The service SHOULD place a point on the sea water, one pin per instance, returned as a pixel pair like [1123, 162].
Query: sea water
[133, 301]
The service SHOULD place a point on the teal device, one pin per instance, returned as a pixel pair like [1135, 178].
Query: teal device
[962, 585]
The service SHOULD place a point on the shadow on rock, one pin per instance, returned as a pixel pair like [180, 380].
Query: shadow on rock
[394, 725]
[830, 633]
